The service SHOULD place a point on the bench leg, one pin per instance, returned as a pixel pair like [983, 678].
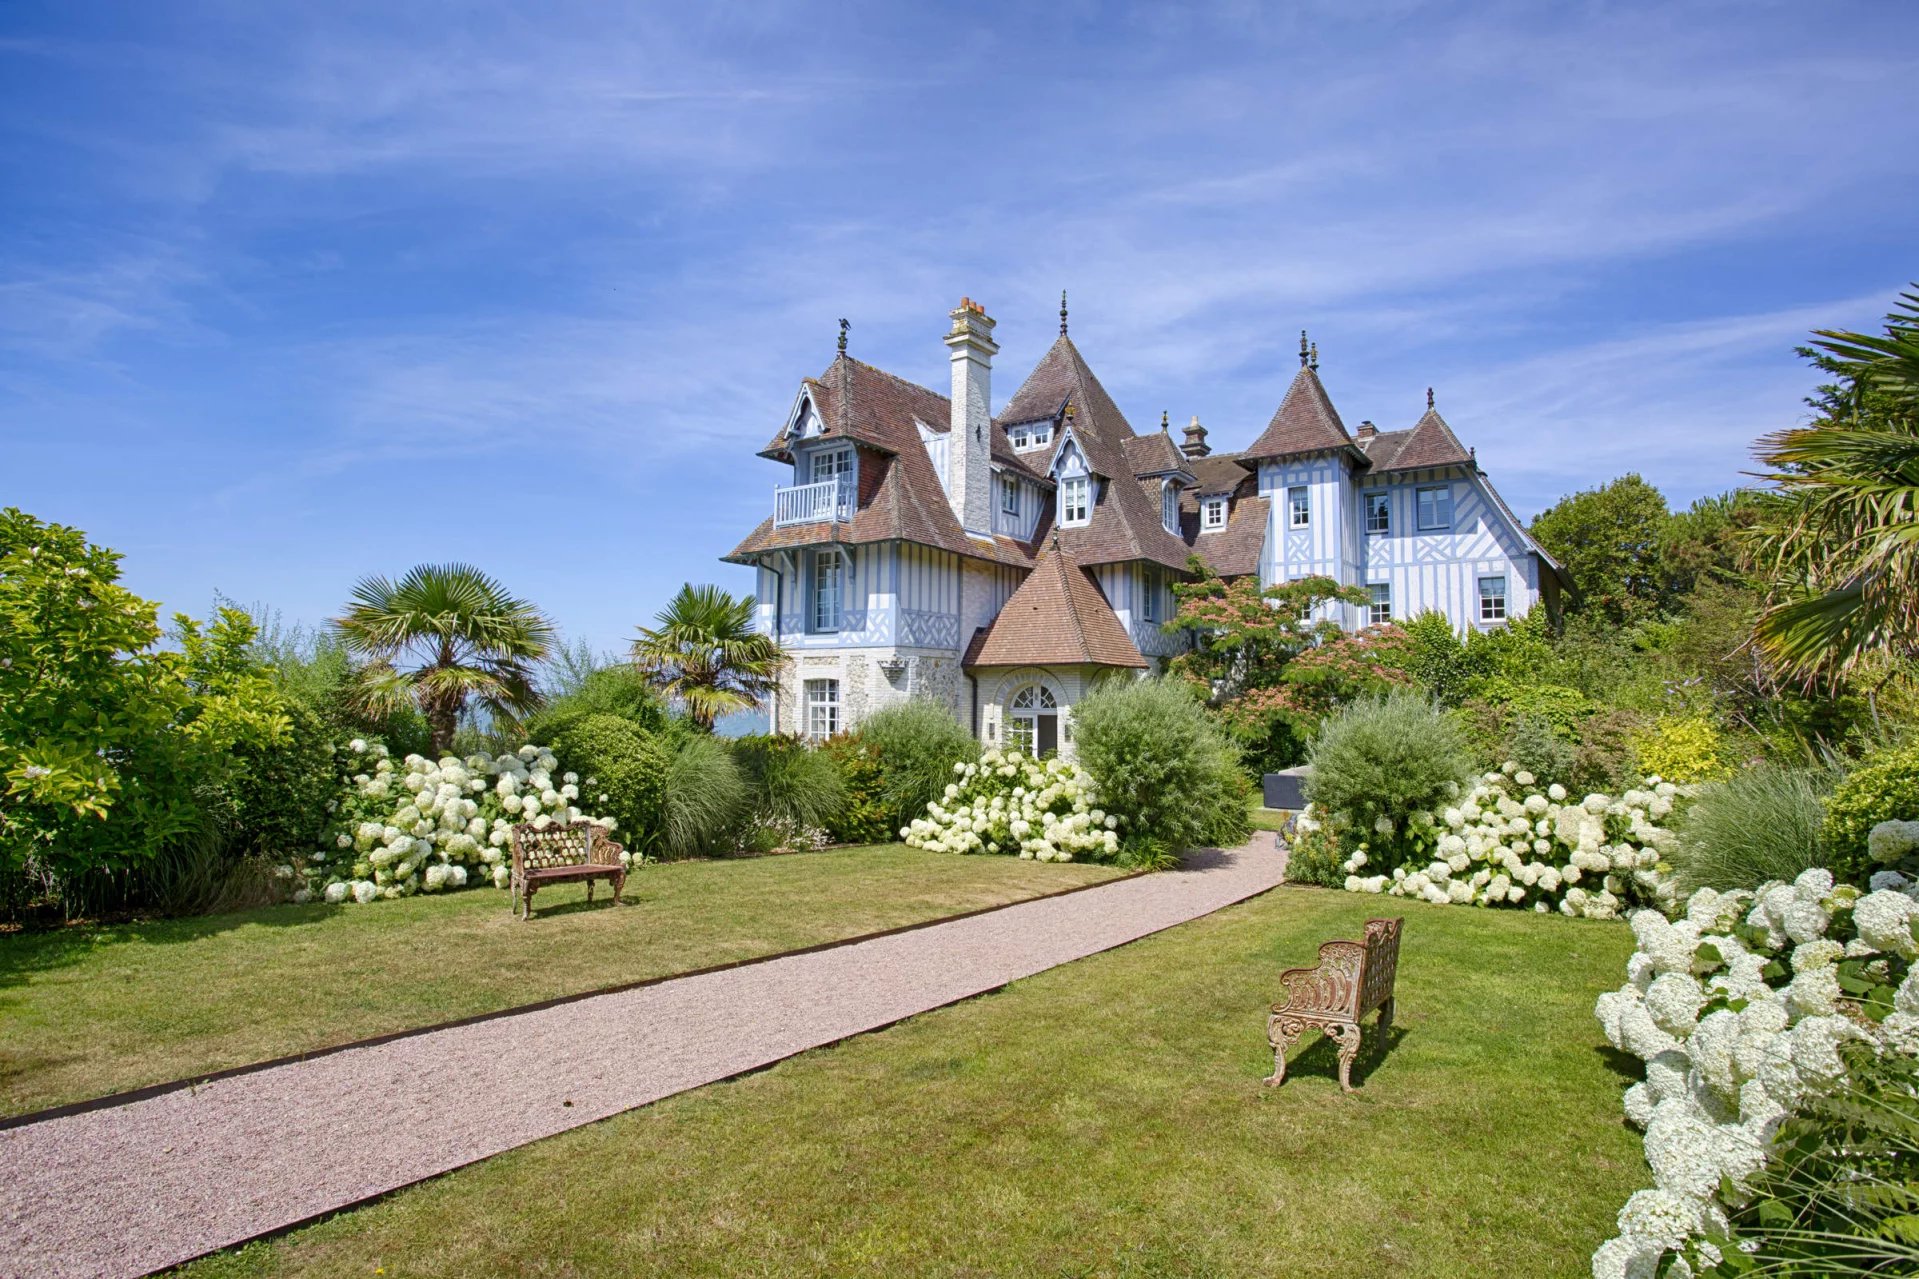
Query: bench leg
[589, 892]
[526, 903]
[1348, 1036]
[619, 886]
[1385, 1017]
[1282, 1033]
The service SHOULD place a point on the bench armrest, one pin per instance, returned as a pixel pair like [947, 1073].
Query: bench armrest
[1331, 986]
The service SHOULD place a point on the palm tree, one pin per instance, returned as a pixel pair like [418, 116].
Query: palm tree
[1843, 543]
[703, 651]
[442, 634]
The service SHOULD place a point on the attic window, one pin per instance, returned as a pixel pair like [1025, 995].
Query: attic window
[1169, 505]
[1074, 500]
[1027, 438]
[1213, 513]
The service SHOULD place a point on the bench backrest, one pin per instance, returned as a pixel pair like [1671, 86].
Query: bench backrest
[1382, 962]
[560, 844]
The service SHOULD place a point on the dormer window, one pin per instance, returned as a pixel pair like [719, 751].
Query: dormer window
[1009, 494]
[1212, 514]
[830, 464]
[1034, 436]
[1169, 505]
[1075, 500]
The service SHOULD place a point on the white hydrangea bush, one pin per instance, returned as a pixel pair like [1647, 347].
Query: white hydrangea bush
[1739, 1008]
[1510, 842]
[1044, 810]
[426, 826]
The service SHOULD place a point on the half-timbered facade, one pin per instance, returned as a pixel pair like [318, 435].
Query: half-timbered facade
[920, 545]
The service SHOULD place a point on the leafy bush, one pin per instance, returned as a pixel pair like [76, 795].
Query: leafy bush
[1759, 824]
[1384, 759]
[1314, 857]
[1043, 810]
[790, 781]
[916, 744]
[620, 691]
[626, 773]
[866, 818]
[1681, 749]
[1537, 745]
[1884, 788]
[1171, 776]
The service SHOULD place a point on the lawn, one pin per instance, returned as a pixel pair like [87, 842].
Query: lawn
[1101, 1119]
[93, 1010]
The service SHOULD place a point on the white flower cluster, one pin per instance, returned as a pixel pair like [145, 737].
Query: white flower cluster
[1045, 810]
[436, 826]
[1509, 843]
[1737, 1010]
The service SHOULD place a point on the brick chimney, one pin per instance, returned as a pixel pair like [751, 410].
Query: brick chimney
[1367, 431]
[969, 447]
[1195, 445]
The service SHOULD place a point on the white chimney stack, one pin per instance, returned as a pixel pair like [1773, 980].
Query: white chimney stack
[969, 447]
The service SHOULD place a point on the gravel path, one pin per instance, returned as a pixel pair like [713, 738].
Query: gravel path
[133, 1188]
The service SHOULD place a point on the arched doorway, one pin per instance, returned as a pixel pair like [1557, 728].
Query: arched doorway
[1035, 721]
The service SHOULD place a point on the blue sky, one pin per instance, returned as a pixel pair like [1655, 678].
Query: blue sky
[290, 294]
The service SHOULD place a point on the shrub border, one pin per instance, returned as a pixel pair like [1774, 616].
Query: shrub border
[147, 1092]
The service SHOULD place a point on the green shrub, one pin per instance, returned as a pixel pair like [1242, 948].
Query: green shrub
[1883, 788]
[1760, 824]
[1681, 749]
[1383, 759]
[865, 819]
[790, 781]
[1540, 748]
[707, 800]
[915, 744]
[620, 691]
[1162, 766]
[628, 776]
[1314, 857]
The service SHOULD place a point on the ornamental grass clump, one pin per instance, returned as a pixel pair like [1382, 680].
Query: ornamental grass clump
[1745, 1010]
[1762, 823]
[1010, 803]
[436, 825]
[1508, 842]
[914, 745]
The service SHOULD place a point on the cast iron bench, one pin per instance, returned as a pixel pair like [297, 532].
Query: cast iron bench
[1351, 979]
[562, 853]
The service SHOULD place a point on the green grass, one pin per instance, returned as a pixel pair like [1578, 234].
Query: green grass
[1101, 1119]
[1274, 819]
[87, 1011]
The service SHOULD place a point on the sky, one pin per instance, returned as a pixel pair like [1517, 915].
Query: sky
[292, 294]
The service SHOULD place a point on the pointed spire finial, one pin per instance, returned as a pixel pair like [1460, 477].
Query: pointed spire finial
[1313, 364]
[844, 326]
[1164, 419]
[1062, 312]
[1302, 348]
[1429, 399]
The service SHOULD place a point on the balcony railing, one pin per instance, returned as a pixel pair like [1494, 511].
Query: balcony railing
[807, 503]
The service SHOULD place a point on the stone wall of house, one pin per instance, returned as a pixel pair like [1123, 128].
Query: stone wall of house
[866, 687]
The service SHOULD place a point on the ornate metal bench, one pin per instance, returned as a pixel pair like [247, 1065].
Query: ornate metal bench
[1352, 979]
[562, 853]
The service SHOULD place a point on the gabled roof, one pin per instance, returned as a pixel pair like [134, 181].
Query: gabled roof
[1155, 454]
[1218, 474]
[1057, 617]
[1232, 551]
[1125, 524]
[1305, 422]
[1430, 443]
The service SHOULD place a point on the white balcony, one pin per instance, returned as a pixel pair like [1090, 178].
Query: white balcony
[809, 503]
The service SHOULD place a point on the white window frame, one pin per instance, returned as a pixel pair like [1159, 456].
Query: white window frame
[1027, 706]
[1009, 494]
[822, 708]
[1379, 610]
[1025, 439]
[1380, 505]
[1169, 505]
[1212, 514]
[1299, 506]
[1075, 500]
[1492, 604]
[826, 593]
[829, 464]
[1148, 596]
[1443, 507]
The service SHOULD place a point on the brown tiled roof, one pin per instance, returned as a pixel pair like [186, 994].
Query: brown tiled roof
[901, 495]
[1219, 473]
[1125, 523]
[1057, 617]
[1306, 422]
[1430, 443]
[1234, 550]
[1154, 454]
